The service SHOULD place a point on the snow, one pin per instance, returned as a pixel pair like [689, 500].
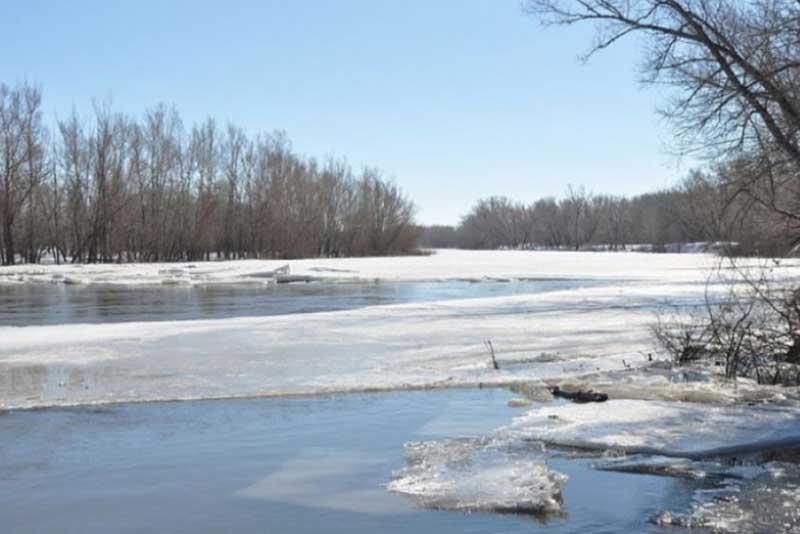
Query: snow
[439, 266]
[688, 430]
[390, 347]
[439, 344]
[546, 336]
[700, 382]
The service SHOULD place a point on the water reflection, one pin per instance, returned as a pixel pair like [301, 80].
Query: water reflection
[324, 477]
[25, 305]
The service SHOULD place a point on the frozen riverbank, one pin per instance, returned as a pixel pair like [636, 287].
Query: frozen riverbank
[555, 334]
[442, 265]
[440, 344]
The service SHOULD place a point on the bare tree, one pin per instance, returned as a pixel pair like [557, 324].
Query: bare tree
[614, 220]
[578, 207]
[736, 68]
[21, 160]
[752, 326]
[116, 188]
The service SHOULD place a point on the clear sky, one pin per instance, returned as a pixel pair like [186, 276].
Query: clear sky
[457, 99]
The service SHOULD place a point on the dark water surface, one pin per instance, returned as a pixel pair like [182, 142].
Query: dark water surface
[264, 466]
[28, 304]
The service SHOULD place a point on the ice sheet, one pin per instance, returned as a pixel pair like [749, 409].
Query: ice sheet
[765, 501]
[440, 344]
[391, 347]
[442, 265]
[689, 430]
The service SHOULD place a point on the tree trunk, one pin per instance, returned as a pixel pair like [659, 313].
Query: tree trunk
[8, 238]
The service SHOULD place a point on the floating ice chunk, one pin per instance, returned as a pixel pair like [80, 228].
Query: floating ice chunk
[283, 270]
[768, 503]
[654, 465]
[481, 474]
[666, 428]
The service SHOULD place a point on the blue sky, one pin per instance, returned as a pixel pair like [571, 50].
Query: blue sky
[457, 99]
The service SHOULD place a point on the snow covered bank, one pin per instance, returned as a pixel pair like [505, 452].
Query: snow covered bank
[701, 382]
[662, 428]
[442, 265]
[438, 344]
[389, 347]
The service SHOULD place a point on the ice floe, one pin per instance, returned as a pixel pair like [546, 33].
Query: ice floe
[472, 266]
[766, 501]
[687, 430]
[480, 475]
[439, 344]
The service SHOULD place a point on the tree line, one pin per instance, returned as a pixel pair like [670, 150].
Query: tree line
[115, 188]
[704, 207]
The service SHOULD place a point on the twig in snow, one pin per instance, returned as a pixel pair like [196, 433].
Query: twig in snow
[489, 346]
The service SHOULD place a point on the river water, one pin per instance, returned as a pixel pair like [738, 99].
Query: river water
[41, 304]
[278, 465]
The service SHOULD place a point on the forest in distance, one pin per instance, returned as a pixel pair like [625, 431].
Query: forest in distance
[706, 207]
[115, 188]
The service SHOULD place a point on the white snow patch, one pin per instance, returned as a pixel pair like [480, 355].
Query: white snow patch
[441, 265]
[438, 344]
[700, 382]
[665, 428]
